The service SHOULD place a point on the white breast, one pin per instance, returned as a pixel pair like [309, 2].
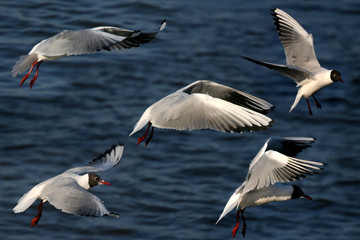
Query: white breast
[311, 86]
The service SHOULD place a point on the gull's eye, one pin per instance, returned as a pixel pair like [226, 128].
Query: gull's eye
[96, 179]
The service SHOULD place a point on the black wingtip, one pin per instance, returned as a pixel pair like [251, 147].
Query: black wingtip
[108, 151]
[272, 108]
[273, 13]
[276, 19]
[252, 60]
[247, 58]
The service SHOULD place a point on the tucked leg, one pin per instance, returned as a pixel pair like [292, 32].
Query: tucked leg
[27, 75]
[310, 112]
[140, 139]
[318, 105]
[36, 219]
[36, 75]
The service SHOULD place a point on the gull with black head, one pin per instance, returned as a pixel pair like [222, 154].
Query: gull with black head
[301, 63]
[272, 166]
[68, 191]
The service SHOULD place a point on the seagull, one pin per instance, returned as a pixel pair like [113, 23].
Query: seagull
[301, 63]
[272, 166]
[205, 105]
[83, 41]
[68, 191]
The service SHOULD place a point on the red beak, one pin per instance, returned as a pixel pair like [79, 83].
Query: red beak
[105, 182]
[341, 80]
[307, 197]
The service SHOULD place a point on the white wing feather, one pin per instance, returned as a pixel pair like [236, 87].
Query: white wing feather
[297, 42]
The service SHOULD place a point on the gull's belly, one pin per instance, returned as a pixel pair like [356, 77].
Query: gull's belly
[312, 87]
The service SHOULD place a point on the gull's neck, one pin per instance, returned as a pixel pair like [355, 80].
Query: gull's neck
[83, 181]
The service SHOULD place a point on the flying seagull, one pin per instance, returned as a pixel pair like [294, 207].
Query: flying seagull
[68, 191]
[83, 41]
[206, 105]
[272, 166]
[301, 63]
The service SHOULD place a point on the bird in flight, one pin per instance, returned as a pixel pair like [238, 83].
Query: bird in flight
[78, 42]
[274, 165]
[301, 63]
[68, 191]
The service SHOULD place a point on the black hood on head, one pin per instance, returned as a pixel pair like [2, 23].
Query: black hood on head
[94, 179]
[297, 193]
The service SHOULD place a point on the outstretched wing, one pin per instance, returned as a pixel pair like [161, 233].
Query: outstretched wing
[181, 111]
[136, 39]
[293, 72]
[109, 159]
[271, 165]
[88, 41]
[289, 146]
[66, 195]
[229, 94]
[298, 43]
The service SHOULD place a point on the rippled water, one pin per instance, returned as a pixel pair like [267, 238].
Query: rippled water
[177, 186]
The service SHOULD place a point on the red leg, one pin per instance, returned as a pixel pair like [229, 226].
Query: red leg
[310, 112]
[27, 75]
[36, 219]
[318, 105]
[234, 231]
[150, 137]
[36, 74]
[140, 139]
[243, 231]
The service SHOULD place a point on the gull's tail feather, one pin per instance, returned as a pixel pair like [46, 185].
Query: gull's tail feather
[230, 205]
[297, 99]
[25, 202]
[23, 63]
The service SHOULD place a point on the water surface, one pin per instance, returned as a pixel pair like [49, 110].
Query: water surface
[176, 187]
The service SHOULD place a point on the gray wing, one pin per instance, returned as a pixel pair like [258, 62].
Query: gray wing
[66, 195]
[293, 72]
[298, 44]
[88, 41]
[84, 41]
[109, 159]
[229, 94]
[272, 165]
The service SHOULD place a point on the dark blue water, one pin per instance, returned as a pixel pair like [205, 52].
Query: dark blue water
[177, 186]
